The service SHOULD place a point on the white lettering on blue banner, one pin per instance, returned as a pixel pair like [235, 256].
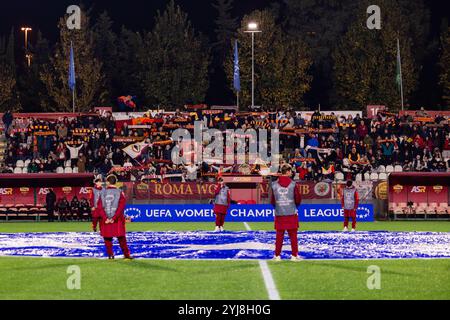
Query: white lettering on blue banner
[240, 213]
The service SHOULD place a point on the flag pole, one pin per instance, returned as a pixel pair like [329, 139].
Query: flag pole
[73, 100]
[237, 99]
[400, 69]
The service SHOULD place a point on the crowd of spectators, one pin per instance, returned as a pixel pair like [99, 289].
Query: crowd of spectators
[318, 146]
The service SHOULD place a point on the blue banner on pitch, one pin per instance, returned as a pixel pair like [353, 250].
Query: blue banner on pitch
[239, 213]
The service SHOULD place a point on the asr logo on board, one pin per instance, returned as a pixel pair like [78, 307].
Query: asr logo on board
[419, 189]
[397, 188]
[6, 191]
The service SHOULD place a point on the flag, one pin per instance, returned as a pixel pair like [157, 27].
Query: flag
[135, 150]
[71, 70]
[237, 81]
[398, 76]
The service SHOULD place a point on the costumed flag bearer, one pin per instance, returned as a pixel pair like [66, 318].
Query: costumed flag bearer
[95, 198]
[285, 198]
[222, 202]
[349, 202]
[112, 219]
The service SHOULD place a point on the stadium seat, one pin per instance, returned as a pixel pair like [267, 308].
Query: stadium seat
[60, 170]
[374, 176]
[20, 164]
[339, 176]
[382, 176]
[398, 168]
[399, 208]
[442, 208]
[17, 170]
[358, 177]
[420, 208]
[26, 163]
[367, 176]
[75, 170]
[381, 169]
[68, 163]
[389, 169]
[431, 209]
[68, 170]
[24, 170]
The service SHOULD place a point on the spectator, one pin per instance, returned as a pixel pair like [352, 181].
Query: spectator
[75, 208]
[63, 208]
[7, 120]
[81, 163]
[50, 201]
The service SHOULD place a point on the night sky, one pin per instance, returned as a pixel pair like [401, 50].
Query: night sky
[138, 15]
[134, 14]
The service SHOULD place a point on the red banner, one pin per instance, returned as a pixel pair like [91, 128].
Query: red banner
[187, 190]
[196, 191]
[424, 113]
[372, 111]
[308, 190]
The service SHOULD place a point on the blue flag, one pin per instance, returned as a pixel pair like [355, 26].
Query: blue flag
[71, 70]
[237, 81]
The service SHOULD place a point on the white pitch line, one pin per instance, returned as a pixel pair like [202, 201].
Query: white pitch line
[267, 275]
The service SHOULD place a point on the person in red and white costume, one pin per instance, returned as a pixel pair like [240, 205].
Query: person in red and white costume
[349, 202]
[286, 198]
[222, 201]
[94, 200]
[111, 208]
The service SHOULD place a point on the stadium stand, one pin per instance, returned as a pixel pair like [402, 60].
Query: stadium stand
[319, 148]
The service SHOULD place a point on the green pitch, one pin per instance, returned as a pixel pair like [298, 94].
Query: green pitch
[46, 278]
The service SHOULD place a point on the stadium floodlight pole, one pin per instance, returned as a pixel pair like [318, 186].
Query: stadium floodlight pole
[253, 28]
[27, 55]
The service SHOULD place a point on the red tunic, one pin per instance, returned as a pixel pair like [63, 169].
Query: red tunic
[117, 228]
[220, 208]
[291, 221]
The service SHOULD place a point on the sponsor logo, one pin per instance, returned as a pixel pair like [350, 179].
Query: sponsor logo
[6, 191]
[43, 191]
[381, 191]
[322, 189]
[397, 188]
[24, 190]
[419, 189]
[85, 190]
[67, 190]
[438, 189]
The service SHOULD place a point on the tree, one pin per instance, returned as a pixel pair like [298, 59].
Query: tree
[226, 27]
[444, 64]
[129, 78]
[32, 90]
[8, 94]
[281, 64]
[319, 23]
[105, 49]
[7, 84]
[365, 60]
[175, 61]
[89, 80]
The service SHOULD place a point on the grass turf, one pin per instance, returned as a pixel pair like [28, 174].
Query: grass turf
[45, 278]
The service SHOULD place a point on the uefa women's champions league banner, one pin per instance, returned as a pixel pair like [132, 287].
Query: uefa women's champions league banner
[240, 213]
